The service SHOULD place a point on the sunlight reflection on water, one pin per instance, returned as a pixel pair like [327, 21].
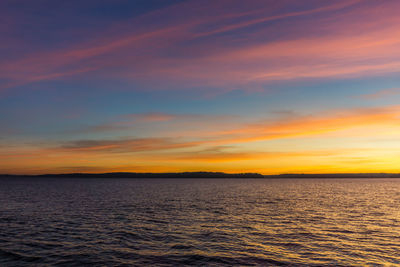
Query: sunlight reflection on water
[199, 221]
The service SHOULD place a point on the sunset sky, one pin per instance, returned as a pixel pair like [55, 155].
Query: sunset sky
[268, 86]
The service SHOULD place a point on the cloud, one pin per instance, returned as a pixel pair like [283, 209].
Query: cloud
[284, 127]
[252, 21]
[225, 45]
[223, 150]
[176, 121]
[153, 117]
[381, 94]
[125, 145]
[129, 121]
[327, 51]
[229, 154]
[307, 126]
[221, 155]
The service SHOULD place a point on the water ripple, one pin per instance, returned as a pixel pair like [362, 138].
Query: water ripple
[213, 222]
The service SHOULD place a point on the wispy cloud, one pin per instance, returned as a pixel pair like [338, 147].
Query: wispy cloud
[221, 149]
[161, 49]
[381, 94]
[316, 125]
[262, 18]
[125, 145]
[178, 121]
[128, 121]
[283, 128]
[188, 49]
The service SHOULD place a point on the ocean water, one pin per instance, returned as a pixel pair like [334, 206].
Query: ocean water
[207, 222]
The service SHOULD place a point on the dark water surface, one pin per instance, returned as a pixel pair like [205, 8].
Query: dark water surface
[214, 222]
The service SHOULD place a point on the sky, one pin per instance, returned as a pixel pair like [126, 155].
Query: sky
[267, 86]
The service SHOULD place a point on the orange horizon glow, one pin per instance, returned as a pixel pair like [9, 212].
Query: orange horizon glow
[269, 87]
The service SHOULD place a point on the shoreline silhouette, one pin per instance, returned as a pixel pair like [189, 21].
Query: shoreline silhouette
[210, 175]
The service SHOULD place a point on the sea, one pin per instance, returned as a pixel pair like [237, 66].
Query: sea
[199, 222]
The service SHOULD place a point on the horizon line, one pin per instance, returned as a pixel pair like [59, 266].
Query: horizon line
[206, 173]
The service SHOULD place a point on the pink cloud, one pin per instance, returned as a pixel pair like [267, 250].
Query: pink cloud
[382, 93]
[174, 51]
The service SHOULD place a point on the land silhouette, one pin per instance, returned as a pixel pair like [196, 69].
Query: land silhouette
[209, 175]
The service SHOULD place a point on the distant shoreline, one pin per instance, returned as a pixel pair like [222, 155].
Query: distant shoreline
[209, 175]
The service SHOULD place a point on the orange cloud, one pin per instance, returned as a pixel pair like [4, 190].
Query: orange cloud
[228, 150]
[289, 126]
[315, 125]
[225, 155]
[296, 127]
